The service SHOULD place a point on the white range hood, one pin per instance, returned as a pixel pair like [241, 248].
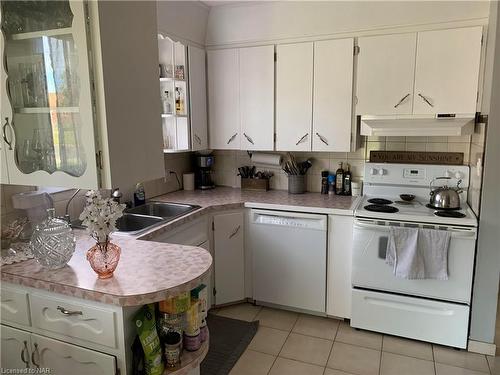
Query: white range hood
[417, 125]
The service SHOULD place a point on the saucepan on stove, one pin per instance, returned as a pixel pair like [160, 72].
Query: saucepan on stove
[445, 197]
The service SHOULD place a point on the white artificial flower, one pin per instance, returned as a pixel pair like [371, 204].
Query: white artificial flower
[100, 215]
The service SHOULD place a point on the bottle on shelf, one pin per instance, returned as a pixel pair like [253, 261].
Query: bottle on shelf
[324, 182]
[167, 107]
[179, 101]
[339, 180]
[347, 181]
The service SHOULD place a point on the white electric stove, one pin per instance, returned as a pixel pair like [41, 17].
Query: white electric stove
[430, 310]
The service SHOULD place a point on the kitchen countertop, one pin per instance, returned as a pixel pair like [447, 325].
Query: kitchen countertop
[226, 198]
[151, 271]
[147, 272]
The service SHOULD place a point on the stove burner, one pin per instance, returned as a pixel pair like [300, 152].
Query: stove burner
[378, 201]
[428, 205]
[449, 214]
[381, 208]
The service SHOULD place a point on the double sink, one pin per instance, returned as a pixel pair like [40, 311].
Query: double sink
[140, 219]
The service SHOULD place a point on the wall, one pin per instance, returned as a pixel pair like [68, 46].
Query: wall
[485, 295]
[184, 20]
[280, 21]
[227, 162]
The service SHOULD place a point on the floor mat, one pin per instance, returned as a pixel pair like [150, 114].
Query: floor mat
[228, 340]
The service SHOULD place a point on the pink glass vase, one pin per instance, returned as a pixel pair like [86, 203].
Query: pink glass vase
[103, 258]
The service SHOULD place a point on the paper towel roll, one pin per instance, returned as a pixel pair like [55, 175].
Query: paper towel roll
[269, 159]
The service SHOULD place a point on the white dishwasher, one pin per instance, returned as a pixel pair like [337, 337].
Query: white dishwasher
[289, 259]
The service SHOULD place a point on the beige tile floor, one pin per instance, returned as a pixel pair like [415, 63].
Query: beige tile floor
[288, 343]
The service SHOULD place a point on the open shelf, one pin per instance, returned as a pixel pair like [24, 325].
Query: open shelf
[47, 110]
[189, 360]
[39, 34]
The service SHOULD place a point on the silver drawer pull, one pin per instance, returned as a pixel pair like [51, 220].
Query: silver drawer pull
[235, 232]
[68, 312]
[322, 139]
[248, 138]
[35, 354]
[425, 100]
[301, 139]
[24, 352]
[401, 100]
[232, 138]
[198, 139]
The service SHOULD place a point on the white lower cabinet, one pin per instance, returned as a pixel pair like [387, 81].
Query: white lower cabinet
[15, 351]
[60, 357]
[229, 258]
[21, 349]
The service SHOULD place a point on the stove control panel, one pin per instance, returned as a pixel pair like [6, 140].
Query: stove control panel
[419, 175]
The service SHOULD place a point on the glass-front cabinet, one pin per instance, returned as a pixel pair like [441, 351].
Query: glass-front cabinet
[46, 105]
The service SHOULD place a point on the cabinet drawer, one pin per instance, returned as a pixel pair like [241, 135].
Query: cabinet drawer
[74, 320]
[416, 318]
[14, 306]
[63, 358]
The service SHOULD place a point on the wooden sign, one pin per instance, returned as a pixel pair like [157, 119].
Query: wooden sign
[417, 157]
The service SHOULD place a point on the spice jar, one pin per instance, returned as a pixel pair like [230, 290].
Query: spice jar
[172, 345]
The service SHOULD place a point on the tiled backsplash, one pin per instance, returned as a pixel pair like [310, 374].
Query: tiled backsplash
[179, 163]
[227, 162]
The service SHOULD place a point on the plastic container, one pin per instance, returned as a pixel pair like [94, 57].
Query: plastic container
[296, 184]
[192, 343]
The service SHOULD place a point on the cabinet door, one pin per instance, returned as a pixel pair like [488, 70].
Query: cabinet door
[447, 71]
[198, 96]
[5, 112]
[15, 348]
[229, 258]
[332, 100]
[257, 98]
[294, 84]
[385, 74]
[51, 127]
[223, 99]
[60, 357]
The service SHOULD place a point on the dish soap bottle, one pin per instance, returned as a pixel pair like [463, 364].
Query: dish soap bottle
[139, 195]
[339, 180]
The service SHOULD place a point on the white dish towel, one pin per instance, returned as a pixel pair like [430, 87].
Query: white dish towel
[418, 253]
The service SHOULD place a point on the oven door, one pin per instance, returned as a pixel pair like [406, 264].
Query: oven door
[370, 271]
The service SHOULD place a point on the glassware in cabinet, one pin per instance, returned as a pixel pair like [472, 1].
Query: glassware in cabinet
[48, 88]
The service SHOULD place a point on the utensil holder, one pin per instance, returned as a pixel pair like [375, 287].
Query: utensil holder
[296, 184]
[256, 184]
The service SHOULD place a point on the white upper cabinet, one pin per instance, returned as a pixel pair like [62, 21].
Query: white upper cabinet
[71, 123]
[294, 86]
[198, 96]
[47, 118]
[447, 71]
[257, 97]
[385, 74]
[223, 99]
[332, 97]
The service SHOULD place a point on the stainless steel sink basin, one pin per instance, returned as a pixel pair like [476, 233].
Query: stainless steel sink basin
[162, 209]
[140, 219]
[136, 224]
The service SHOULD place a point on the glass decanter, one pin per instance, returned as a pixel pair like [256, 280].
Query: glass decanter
[53, 242]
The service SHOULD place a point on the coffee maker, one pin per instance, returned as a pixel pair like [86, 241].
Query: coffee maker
[203, 174]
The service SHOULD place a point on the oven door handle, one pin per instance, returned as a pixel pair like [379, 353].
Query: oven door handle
[455, 233]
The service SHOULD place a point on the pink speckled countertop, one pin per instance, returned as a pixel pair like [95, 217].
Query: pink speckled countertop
[226, 198]
[147, 272]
